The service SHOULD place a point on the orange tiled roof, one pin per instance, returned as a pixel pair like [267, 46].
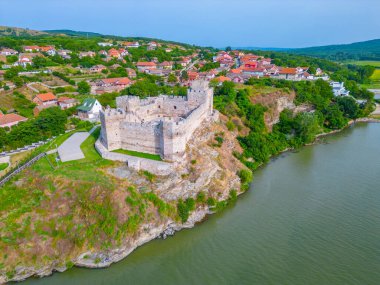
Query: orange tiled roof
[11, 118]
[46, 97]
[288, 70]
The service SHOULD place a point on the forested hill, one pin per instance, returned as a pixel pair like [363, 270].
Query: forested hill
[73, 33]
[368, 50]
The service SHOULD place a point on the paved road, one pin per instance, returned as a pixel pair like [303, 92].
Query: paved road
[70, 149]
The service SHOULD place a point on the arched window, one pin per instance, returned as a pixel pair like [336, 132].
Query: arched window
[175, 107]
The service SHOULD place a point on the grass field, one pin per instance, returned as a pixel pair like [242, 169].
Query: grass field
[3, 166]
[363, 62]
[139, 154]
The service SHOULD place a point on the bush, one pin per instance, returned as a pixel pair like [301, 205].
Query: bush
[184, 208]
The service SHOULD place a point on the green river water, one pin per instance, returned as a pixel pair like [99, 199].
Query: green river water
[310, 217]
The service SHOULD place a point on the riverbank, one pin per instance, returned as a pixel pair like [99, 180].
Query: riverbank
[71, 195]
[153, 230]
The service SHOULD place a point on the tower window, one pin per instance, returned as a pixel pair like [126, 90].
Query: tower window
[175, 107]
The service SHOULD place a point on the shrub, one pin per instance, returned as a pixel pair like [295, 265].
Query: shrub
[230, 126]
[184, 208]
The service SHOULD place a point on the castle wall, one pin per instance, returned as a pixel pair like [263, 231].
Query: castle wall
[159, 125]
[141, 137]
[136, 163]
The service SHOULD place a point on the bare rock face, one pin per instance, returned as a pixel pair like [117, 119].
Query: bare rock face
[275, 102]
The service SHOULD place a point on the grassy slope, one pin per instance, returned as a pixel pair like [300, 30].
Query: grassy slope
[139, 154]
[54, 214]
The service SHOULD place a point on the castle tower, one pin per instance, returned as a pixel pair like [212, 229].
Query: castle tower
[199, 93]
[110, 131]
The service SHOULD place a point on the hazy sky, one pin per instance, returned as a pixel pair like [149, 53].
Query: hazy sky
[260, 23]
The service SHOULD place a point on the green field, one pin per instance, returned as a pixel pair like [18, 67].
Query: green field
[3, 166]
[139, 154]
[364, 62]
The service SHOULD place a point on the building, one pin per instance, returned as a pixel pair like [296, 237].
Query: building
[8, 51]
[288, 73]
[97, 68]
[131, 44]
[87, 53]
[9, 120]
[66, 102]
[50, 50]
[107, 85]
[131, 72]
[166, 65]
[25, 59]
[157, 125]
[339, 89]
[105, 44]
[31, 48]
[89, 109]
[142, 66]
[46, 99]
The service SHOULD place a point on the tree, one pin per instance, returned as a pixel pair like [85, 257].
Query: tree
[83, 87]
[172, 78]
[184, 75]
[334, 118]
[348, 106]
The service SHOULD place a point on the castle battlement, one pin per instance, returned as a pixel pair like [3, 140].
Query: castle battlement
[158, 125]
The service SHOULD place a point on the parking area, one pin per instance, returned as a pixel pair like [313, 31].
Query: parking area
[70, 149]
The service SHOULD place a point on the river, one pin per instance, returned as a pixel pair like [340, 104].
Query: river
[311, 217]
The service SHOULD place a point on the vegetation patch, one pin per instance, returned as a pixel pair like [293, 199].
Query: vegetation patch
[139, 154]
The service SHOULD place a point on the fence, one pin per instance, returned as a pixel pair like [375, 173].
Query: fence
[21, 168]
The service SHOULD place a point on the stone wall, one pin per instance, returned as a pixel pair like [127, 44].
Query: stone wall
[136, 163]
[159, 125]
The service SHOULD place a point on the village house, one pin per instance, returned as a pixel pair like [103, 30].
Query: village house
[339, 89]
[87, 53]
[113, 53]
[25, 59]
[123, 52]
[131, 44]
[168, 50]
[103, 52]
[31, 48]
[89, 109]
[142, 66]
[50, 50]
[8, 51]
[64, 53]
[115, 66]
[45, 99]
[221, 79]
[66, 102]
[108, 85]
[166, 65]
[131, 72]
[97, 68]
[288, 73]
[193, 75]
[105, 44]
[9, 120]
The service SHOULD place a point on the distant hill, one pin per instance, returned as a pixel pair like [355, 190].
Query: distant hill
[73, 33]
[368, 50]
[19, 32]
[261, 48]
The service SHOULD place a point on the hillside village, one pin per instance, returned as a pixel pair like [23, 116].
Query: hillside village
[49, 75]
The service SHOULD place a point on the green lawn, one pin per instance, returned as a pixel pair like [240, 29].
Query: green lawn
[375, 81]
[3, 166]
[364, 62]
[139, 154]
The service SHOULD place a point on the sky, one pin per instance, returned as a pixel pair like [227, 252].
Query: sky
[217, 23]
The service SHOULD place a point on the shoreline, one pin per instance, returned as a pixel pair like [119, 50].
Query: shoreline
[90, 259]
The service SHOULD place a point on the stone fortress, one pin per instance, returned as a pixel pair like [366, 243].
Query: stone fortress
[157, 125]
